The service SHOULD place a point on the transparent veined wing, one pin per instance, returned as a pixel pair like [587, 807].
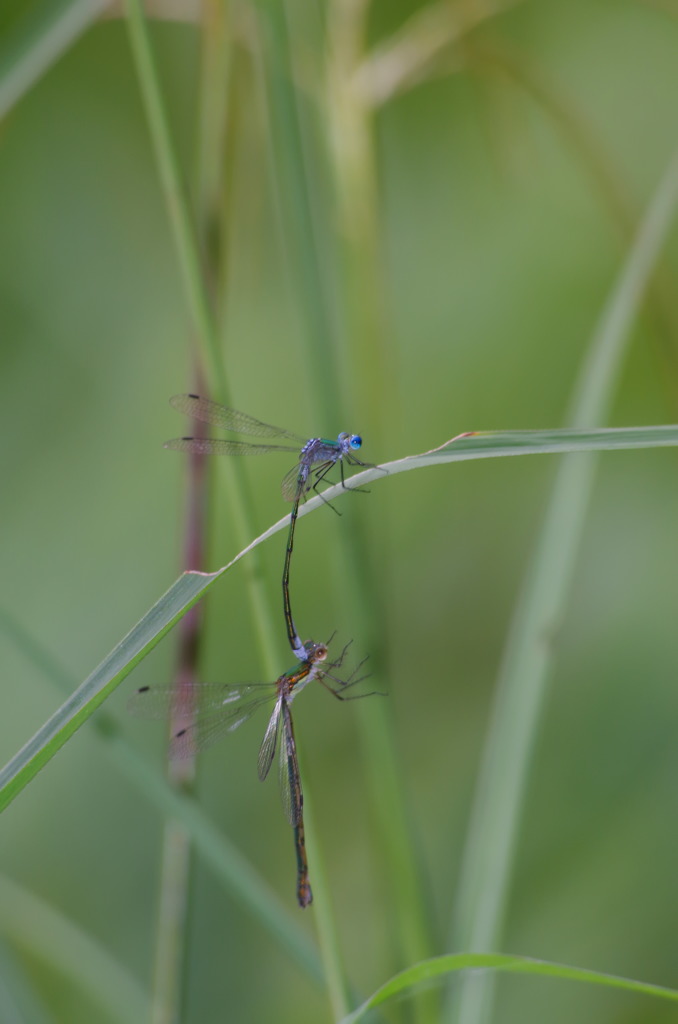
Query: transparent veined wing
[219, 709]
[269, 742]
[288, 770]
[295, 483]
[207, 411]
[210, 698]
[218, 446]
[204, 731]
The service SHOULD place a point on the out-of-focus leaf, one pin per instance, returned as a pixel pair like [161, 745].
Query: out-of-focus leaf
[36, 41]
[442, 965]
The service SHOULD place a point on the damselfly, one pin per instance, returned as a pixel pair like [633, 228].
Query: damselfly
[315, 459]
[220, 708]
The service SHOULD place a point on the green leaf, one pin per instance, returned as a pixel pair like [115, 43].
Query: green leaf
[442, 965]
[35, 42]
[181, 596]
[191, 586]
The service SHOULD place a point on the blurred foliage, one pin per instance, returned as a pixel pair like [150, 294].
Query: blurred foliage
[510, 167]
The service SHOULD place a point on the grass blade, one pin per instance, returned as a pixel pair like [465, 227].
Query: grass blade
[234, 872]
[191, 586]
[37, 41]
[84, 701]
[494, 962]
[47, 934]
[488, 858]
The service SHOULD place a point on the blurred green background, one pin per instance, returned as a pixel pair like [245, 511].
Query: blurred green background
[509, 174]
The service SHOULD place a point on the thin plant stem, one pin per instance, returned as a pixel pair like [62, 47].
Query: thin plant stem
[171, 940]
[353, 162]
[350, 139]
[200, 280]
[214, 95]
[406, 58]
[215, 114]
[207, 335]
[292, 187]
[301, 159]
[324, 917]
[299, 230]
[185, 237]
[170, 932]
[173, 910]
[487, 867]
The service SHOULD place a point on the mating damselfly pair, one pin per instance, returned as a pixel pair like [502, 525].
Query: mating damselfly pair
[315, 459]
[220, 708]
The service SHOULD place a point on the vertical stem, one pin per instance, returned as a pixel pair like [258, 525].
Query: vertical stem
[292, 185]
[207, 335]
[330, 952]
[306, 226]
[373, 391]
[170, 949]
[185, 237]
[300, 235]
[200, 280]
[350, 141]
[176, 862]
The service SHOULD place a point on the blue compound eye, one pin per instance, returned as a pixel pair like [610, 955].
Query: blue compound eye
[356, 441]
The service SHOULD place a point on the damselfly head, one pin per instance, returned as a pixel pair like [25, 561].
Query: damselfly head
[315, 652]
[353, 441]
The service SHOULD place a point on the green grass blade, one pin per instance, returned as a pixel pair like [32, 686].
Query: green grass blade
[172, 934]
[494, 444]
[488, 857]
[366, 341]
[293, 188]
[229, 866]
[41, 930]
[141, 639]
[443, 965]
[185, 240]
[304, 190]
[37, 41]
[191, 586]
[410, 55]
[201, 308]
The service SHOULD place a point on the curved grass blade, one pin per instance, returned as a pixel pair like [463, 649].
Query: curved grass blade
[191, 586]
[442, 965]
